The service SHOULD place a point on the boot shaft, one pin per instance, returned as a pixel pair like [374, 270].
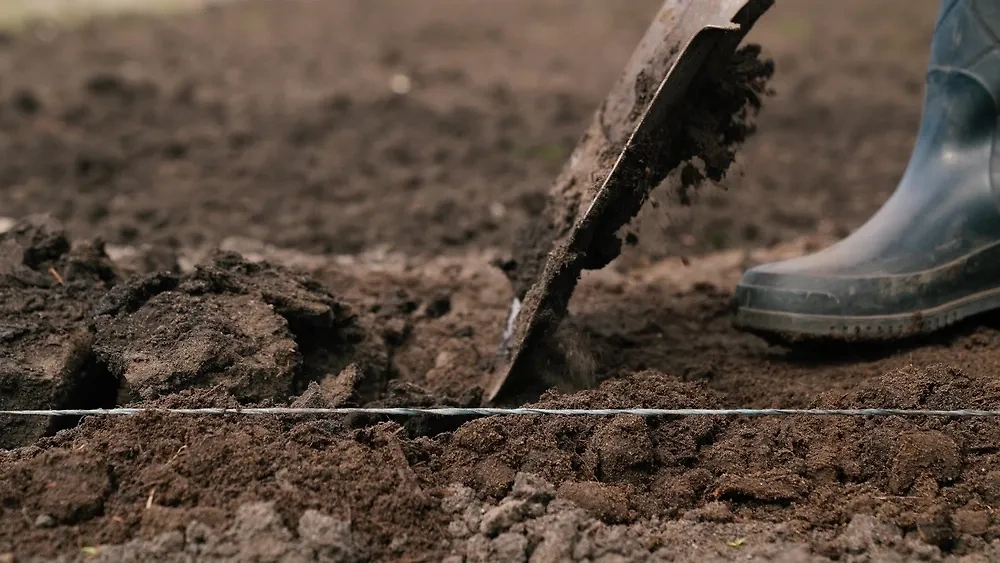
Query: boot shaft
[967, 41]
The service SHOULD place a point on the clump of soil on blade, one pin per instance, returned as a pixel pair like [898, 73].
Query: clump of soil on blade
[721, 117]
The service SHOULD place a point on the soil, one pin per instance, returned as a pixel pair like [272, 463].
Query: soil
[233, 207]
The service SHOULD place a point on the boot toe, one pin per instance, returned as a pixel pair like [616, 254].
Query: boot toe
[776, 287]
[797, 299]
[782, 299]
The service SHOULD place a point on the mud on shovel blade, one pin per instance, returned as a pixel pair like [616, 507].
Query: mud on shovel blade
[624, 154]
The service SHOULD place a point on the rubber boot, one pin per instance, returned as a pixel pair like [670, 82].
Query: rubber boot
[931, 255]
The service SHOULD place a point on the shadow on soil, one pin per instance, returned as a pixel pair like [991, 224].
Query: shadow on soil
[820, 352]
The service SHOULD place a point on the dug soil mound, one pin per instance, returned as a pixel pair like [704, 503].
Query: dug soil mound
[237, 332]
[245, 207]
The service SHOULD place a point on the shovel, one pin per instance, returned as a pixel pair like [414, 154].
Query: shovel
[625, 153]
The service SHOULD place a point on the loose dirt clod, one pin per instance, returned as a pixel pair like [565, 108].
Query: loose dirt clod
[254, 330]
[47, 290]
[258, 533]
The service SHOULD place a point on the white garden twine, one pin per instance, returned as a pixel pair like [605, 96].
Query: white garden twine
[483, 412]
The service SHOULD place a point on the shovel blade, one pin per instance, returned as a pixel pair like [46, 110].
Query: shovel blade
[608, 178]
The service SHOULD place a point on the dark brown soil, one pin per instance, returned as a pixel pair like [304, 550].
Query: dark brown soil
[357, 228]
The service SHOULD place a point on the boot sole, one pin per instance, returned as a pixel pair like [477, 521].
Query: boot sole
[791, 328]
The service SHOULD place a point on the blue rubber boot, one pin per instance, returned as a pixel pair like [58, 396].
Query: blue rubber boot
[931, 255]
